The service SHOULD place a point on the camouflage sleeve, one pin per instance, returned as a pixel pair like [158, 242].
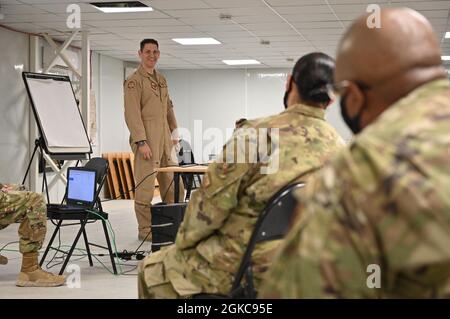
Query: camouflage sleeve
[328, 249]
[219, 193]
[359, 234]
[12, 187]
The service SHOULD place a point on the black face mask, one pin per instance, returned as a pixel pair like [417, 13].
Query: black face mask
[354, 123]
[286, 94]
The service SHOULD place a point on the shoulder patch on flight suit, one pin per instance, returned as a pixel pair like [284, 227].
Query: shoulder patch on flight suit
[240, 123]
[163, 84]
[131, 84]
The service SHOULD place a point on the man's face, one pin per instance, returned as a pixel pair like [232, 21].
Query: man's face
[149, 55]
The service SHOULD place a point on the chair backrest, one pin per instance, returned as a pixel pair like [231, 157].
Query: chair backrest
[273, 223]
[100, 165]
[185, 155]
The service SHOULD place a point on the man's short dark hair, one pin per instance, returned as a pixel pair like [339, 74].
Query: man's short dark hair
[146, 41]
[313, 75]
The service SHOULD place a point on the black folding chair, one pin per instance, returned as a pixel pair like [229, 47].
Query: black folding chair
[100, 165]
[272, 224]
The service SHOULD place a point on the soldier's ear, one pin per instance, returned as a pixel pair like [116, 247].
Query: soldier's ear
[355, 99]
[332, 97]
[288, 80]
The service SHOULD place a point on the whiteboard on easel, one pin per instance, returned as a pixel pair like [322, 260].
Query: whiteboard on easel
[57, 114]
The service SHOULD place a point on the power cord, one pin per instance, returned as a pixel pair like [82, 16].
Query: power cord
[131, 190]
[7, 244]
[127, 254]
[56, 252]
[124, 255]
[163, 199]
[152, 173]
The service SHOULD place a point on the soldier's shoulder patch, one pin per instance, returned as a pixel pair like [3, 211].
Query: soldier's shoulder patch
[206, 180]
[225, 168]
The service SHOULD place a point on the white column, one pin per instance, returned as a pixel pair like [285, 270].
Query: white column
[34, 66]
[86, 77]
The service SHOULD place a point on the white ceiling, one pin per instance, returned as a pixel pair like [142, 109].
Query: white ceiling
[293, 27]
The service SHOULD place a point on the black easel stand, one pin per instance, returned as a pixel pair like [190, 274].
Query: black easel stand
[38, 145]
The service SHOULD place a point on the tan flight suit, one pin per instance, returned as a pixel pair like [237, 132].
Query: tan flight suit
[149, 116]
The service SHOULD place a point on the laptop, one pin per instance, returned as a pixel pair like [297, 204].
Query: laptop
[80, 190]
[185, 155]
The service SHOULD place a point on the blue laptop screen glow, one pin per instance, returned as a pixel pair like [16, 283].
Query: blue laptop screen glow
[80, 185]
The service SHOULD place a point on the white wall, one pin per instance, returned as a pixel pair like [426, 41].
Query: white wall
[14, 107]
[205, 101]
[113, 133]
[218, 98]
[333, 116]
[215, 99]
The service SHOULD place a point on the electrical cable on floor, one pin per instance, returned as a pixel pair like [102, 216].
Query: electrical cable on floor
[83, 253]
[56, 251]
[131, 190]
[7, 244]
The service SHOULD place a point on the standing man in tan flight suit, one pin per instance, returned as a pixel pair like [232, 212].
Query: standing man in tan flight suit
[150, 118]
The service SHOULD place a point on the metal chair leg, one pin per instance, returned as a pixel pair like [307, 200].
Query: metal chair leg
[49, 245]
[69, 254]
[86, 242]
[108, 243]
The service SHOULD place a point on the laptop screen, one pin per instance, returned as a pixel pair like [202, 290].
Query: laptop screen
[185, 154]
[80, 186]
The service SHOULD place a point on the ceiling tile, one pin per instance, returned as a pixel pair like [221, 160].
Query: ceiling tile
[313, 25]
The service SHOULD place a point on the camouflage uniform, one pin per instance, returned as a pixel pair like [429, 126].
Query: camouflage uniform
[383, 201]
[28, 209]
[220, 217]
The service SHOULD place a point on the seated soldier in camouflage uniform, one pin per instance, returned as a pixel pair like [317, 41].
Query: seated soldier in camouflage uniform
[375, 221]
[220, 217]
[28, 209]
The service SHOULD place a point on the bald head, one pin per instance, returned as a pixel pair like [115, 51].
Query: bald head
[404, 41]
[376, 67]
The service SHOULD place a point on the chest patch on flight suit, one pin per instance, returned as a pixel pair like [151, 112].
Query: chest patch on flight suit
[154, 86]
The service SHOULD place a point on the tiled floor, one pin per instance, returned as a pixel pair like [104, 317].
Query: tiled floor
[96, 282]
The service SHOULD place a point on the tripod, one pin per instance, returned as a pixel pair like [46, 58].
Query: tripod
[38, 145]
